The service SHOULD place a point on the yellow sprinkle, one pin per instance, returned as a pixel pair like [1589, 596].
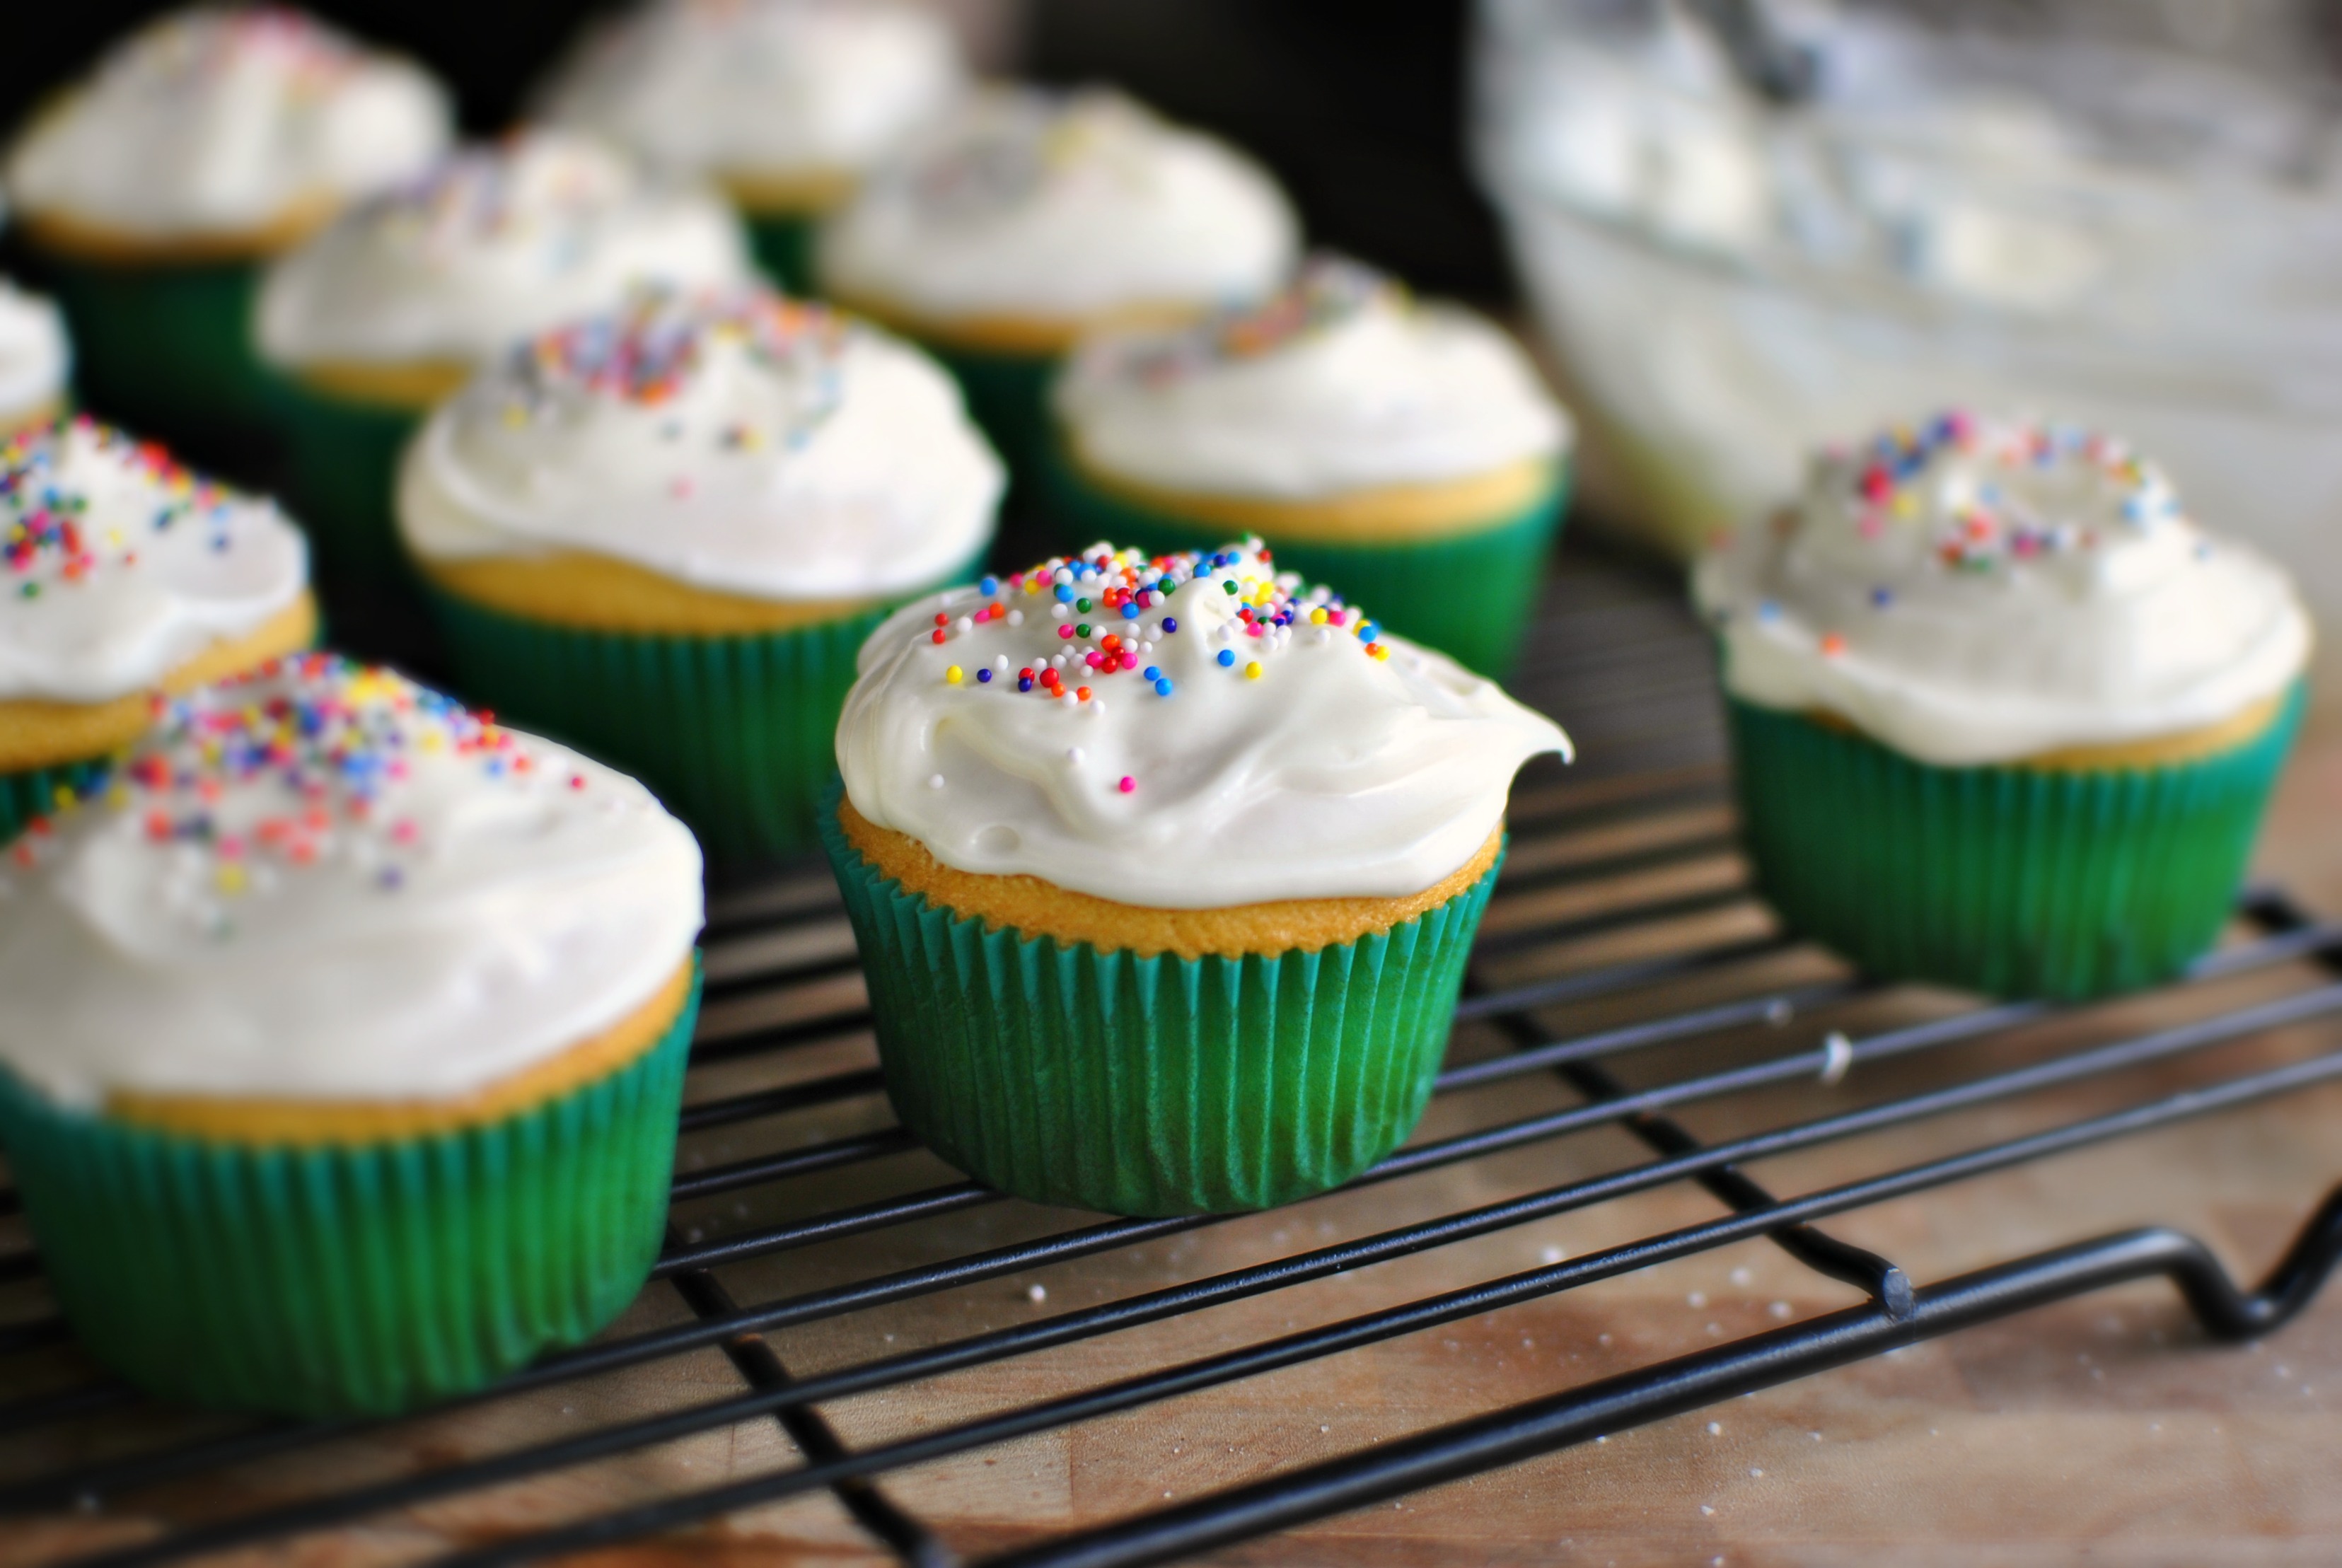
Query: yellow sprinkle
[1318, 616]
[1382, 652]
[515, 416]
[63, 795]
[230, 877]
[1906, 504]
[118, 796]
[952, 676]
[1252, 671]
[429, 741]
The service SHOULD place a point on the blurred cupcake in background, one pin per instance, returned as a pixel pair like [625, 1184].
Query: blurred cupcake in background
[662, 533]
[786, 103]
[1402, 452]
[123, 575]
[1027, 217]
[390, 309]
[341, 1042]
[204, 143]
[35, 360]
[2003, 715]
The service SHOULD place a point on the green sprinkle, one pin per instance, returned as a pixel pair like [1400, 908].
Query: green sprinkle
[1083, 630]
[1083, 605]
[1229, 585]
[31, 590]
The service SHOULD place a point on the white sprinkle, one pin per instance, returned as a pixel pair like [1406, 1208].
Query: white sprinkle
[1715, 1429]
[1062, 574]
[1324, 1429]
[936, 781]
[1780, 1311]
[1037, 1294]
[1742, 1276]
[1550, 1256]
[1604, 1438]
[1755, 1474]
[1015, 617]
[1704, 1508]
[965, 623]
[1057, 660]
[1602, 1339]
[1001, 662]
[1073, 755]
[1837, 1055]
[1096, 706]
[1696, 1300]
[1060, 612]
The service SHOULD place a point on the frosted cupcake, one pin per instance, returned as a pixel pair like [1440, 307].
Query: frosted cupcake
[205, 143]
[122, 574]
[1164, 874]
[786, 104]
[2004, 717]
[34, 360]
[1026, 218]
[662, 533]
[1404, 451]
[392, 308]
[341, 1043]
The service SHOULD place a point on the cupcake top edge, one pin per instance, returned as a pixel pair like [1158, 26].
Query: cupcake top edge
[1185, 732]
[321, 882]
[1031, 205]
[228, 120]
[36, 354]
[118, 564]
[774, 88]
[493, 243]
[1974, 590]
[1341, 380]
[735, 440]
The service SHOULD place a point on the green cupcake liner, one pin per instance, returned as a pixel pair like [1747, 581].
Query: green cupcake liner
[165, 351]
[781, 243]
[363, 1278]
[341, 479]
[34, 792]
[1470, 594]
[2009, 880]
[1160, 1085]
[737, 734]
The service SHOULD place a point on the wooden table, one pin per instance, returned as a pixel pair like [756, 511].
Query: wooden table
[2103, 1430]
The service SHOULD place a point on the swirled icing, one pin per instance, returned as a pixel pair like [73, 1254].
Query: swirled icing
[1340, 382]
[1981, 591]
[1237, 740]
[497, 243]
[1059, 208]
[35, 355]
[118, 565]
[227, 119]
[761, 86]
[324, 882]
[734, 440]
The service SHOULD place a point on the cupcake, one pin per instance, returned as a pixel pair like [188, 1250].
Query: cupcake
[204, 143]
[786, 104]
[35, 358]
[1164, 874]
[662, 533]
[389, 311]
[1005, 230]
[2004, 717]
[1404, 451]
[341, 1042]
[122, 575]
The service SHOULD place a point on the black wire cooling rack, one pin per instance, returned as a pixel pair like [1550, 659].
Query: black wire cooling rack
[1624, 982]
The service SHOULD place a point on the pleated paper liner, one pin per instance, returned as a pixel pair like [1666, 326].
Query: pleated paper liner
[1471, 593]
[2008, 880]
[341, 469]
[1159, 1085]
[342, 1279]
[781, 243]
[166, 350]
[736, 733]
[34, 792]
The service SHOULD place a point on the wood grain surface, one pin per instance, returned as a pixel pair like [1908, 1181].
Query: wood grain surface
[2106, 1430]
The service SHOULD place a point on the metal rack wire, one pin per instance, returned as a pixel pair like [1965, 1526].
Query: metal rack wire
[1623, 961]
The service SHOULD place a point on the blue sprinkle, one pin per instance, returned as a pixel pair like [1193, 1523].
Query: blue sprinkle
[987, 586]
[1064, 593]
[1881, 598]
[1129, 611]
[391, 877]
[1228, 657]
[1162, 688]
[1169, 625]
[1024, 684]
[1769, 611]
[982, 676]
[1366, 632]
[1152, 673]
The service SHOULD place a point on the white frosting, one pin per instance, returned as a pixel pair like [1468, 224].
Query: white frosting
[35, 355]
[364, 897]
[1341, 382]
[219, 120]
[496, 243]
[118, 565]
[761, 86]
[735, 441]
[1980, 592]
[1059, 208]
[1332, 772]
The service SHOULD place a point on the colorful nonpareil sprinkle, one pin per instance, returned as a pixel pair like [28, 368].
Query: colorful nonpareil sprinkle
[1328, 292]
[46, 540]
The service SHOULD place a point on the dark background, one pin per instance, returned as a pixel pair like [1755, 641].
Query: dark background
[1357, 105]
